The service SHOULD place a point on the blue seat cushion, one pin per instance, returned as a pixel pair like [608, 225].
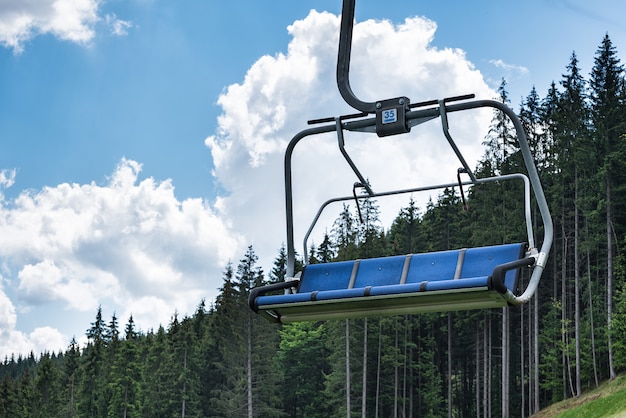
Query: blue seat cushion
[437, 271]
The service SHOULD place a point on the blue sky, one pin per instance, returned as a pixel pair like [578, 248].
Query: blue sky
[141, 140]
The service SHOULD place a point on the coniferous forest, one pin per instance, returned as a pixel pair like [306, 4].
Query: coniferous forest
[225, 361]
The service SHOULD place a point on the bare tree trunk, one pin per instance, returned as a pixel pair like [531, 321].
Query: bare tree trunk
[609, 272]
[396, 378]
[478, 372]
[578, 391]
[364, 390]
[523, 362]
[249, 367]
[380, 344]
[593, 330]
[449, 365]
[536, 353]
[486, 377]
[489, 348]
[348, 368]
[564, 362]
[505, 362]
[411, 370]
[404, 380]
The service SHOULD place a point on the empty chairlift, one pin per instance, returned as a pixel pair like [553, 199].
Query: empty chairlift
[462, 279]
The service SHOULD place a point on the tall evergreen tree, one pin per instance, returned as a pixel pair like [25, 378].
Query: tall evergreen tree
[344, 235]
[325, 252]
[303, 358]
[279, 271]
[126, 376]
[247, 345]
[370, 234]
[574, 138]
[70, 378]
[500, 140]
[607, 103]
[405, 233]
[156, 383]
[47, 388]
[92, 397]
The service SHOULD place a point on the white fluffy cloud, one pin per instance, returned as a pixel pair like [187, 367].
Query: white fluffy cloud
[68, 20]
[12, 341]
[509, 69]
[129, 242]
[281, 92]
[133, 247]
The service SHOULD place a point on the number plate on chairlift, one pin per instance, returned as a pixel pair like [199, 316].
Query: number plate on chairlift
[391, 116]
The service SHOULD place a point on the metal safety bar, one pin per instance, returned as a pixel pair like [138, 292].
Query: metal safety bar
[515, 176]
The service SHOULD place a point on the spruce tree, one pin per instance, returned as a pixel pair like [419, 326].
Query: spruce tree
[607, 104]
[47, 388]
[344, 235]
[370, 234]
[126, 376]
[156, 384]
[70, 379]
[92, 396]
[404, 236]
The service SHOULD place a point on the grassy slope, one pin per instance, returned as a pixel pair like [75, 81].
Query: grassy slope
[609, 401]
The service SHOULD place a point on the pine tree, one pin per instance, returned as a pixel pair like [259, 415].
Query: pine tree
[279, 271]
[405, 235]
[370, 235]
[47, 388]
[500, 140]
[247, 383]
[303, 359]
[573, 134]
[344, 235]
[70, 378]
[186, 384]
[607, 103]
[531, 116]
[126, 376]
[92, 397]
[156, 384]
[9, 404]
[325, 252]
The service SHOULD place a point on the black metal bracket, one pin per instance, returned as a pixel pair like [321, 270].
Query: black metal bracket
[391, 116]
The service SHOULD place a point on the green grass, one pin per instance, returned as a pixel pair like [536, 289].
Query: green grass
[607, 401]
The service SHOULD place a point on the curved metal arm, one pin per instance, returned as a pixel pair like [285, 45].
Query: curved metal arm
[343, 60]
[498, 275]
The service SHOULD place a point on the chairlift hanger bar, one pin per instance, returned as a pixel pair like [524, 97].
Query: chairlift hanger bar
[390, 113]
[343, 60]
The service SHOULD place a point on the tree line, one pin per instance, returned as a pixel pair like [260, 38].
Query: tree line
[226, 361]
